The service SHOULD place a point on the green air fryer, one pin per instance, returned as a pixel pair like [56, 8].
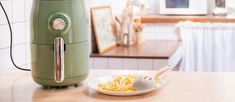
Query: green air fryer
[59, 42]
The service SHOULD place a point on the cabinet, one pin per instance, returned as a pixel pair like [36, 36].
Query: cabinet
[127, 63]
[150, 55]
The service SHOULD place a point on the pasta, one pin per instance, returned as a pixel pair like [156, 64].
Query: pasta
[119, 84]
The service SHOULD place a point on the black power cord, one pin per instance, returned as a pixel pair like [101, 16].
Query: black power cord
[8, 21]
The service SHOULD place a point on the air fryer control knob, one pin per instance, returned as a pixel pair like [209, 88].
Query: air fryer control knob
[58, 24]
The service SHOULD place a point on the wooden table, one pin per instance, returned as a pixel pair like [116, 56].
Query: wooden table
[17, 86]
[159, 49]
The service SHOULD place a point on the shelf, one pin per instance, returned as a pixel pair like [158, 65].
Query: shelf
[159, 49]
[175, 19]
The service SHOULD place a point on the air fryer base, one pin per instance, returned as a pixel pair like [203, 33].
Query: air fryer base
[67, 81]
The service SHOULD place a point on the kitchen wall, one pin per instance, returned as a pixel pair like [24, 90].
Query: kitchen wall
[151, 31]
[117, 5]
[166, 31]
[18, 12]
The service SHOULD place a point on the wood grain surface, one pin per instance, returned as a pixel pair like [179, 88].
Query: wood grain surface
[161, 49]
[18, 86]
[175, 19]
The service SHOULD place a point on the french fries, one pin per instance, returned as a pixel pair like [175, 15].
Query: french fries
[119, 84]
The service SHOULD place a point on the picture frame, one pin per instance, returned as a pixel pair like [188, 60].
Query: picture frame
[183, 7]
[102, 19]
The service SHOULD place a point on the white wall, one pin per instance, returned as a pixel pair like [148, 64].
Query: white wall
[164, 31]
[151, 31]
[18, 12]
[117, 5]
[231, 5]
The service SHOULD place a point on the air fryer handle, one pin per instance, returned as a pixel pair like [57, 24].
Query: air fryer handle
[59, 59]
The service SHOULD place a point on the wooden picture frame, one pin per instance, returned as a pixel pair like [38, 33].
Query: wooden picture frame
[102, 23]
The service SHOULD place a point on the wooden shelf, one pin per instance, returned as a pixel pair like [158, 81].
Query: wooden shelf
[159, 49]
[175, 19]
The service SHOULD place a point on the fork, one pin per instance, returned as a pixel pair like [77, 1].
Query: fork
[158, 74]
[148, 82]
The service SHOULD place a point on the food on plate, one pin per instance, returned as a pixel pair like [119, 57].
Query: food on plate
[119, 84]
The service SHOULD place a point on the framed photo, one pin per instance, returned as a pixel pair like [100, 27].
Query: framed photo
[102, 23]
[183, 7]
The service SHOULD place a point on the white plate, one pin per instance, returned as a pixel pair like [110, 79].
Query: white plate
[94, 85]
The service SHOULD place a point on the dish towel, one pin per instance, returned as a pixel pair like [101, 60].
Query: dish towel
[207, 47]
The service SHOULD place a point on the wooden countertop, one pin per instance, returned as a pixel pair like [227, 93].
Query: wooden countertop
[17, 86]
[160, 49]
[175, 19]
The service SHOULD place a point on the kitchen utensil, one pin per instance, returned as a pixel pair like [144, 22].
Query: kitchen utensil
[59, 42]
[148, 82]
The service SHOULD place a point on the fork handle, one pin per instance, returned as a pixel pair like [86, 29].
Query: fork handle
[162, 71]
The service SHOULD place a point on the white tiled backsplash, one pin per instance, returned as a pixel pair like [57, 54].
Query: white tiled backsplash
[18, 12]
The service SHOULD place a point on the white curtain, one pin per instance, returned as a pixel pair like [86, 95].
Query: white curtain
[207, 46]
